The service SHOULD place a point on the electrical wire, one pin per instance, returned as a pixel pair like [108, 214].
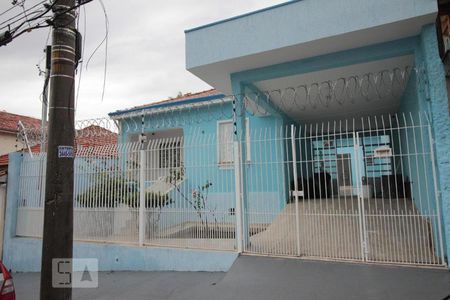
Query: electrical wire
[82, 54]
[24, 12]
[41, 59]
[11, 8]
[10, 22]
[106, 47]
[104, 41]
[42, 14]
[49, 22]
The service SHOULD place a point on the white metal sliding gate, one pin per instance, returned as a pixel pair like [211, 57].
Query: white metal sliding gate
[362, 189]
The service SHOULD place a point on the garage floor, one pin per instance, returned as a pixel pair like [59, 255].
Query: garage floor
[330, 228]
[261, 278]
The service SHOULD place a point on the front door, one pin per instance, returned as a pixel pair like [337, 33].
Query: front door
[346, 171]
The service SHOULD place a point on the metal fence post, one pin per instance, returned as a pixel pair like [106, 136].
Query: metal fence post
[142, 169]
[361, 208]
[296, 192]
[238, 183]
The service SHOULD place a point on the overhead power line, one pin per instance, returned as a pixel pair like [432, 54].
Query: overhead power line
[11, 8]
[43, 21]
[12, 20]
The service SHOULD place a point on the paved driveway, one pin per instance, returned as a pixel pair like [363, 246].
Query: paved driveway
[264, 278]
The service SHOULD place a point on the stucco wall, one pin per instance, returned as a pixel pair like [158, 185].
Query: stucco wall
[300, 22]
[24, 255]
[438, 101]
[414, 138]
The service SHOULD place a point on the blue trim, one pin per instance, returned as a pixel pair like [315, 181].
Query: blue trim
[242, 16]
[328, 61]
[168, 104]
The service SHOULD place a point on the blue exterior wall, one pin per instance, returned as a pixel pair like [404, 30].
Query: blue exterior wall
[438, 107]
[300, 22]
[414, 138]
[24, 254]
[267, 183]
[427, 96]
[241, 80]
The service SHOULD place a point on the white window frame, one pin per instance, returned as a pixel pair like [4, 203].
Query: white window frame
[168, 152]
[230, 165]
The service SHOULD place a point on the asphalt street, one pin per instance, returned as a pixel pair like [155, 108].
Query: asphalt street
[261, 278]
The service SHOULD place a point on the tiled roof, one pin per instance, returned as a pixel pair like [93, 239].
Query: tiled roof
[95, 136]
[187, 96]
[3, 160]
[8, 121]
[91, 136]
[207, 93]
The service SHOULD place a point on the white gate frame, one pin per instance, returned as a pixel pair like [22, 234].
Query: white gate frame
[437, 194]
[142, 172]
[365, 217]
[361, 208]
[359, 187]
[238, 195]
[296, 192]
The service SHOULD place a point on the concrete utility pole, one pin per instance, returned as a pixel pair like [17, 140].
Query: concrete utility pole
[48, 62]
[58, 215]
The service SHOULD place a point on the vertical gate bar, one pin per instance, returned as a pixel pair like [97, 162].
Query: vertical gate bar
[408, 211]
[386, 213]
[362, 219]
[402, 213]
[397, 213]
[294, 169]
[437, 195]
[238, 196]
[427, 250]
[317, 208]
[142, 197]
[415, 214]
[303, 158]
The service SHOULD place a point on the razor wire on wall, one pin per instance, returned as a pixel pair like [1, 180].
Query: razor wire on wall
[90, 132]
[343, 91]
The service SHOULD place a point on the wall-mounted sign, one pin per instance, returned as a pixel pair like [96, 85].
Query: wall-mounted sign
[65, 152]
[382, 151]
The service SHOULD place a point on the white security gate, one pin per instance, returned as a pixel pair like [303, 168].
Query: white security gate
[362, 189]
[166, 192]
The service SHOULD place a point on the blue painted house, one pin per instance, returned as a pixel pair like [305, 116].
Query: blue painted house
[196, 132]
[339, 103]
[325, 136]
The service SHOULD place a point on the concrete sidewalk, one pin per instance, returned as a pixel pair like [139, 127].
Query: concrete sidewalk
[264, 278]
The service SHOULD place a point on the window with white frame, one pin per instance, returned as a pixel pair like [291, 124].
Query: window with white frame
[225, 134]
[170, 154]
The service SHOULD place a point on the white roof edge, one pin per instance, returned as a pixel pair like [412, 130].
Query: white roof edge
[154, 111]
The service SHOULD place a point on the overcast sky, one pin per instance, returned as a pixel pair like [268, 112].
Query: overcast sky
[146, 57]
